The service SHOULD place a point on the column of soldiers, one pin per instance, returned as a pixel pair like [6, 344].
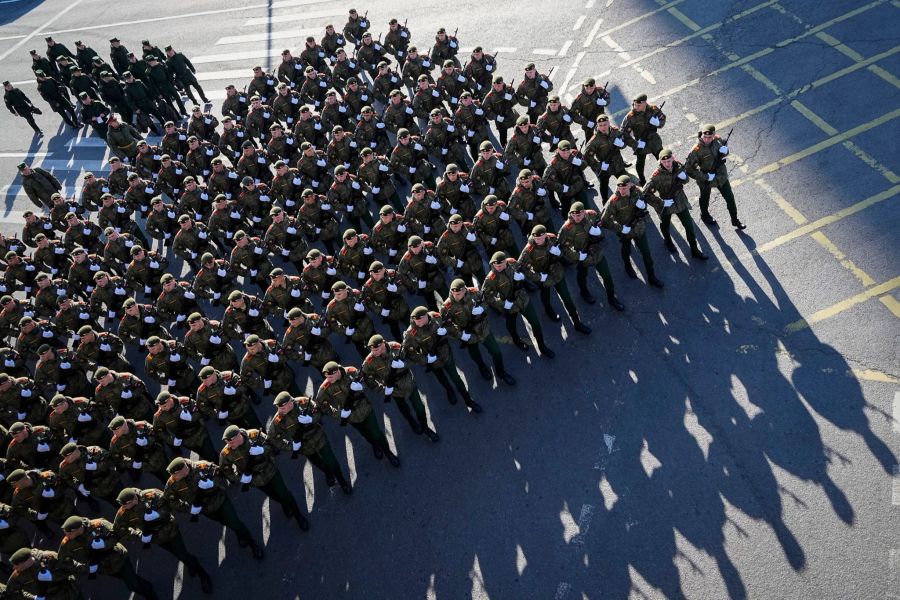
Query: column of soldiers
[235, 255]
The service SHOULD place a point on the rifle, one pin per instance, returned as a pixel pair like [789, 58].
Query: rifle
[639, 214]
[721, 158]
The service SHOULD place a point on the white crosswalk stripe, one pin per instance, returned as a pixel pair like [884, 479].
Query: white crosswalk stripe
[301, 16]
[289, 34]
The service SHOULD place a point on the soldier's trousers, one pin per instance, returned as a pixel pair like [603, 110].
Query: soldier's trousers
[278, 491]
[603, 177]
[188, 84]
[227, 516]
[415, 400]
[643, 247]
[326, 461]
[725, 190]
[503, 132]
[665, 224]
[530, 315]
[249, 420]
[205, 450]
[370, 430]
[490, 344]
[581, 273]
[134, 582]
[447, 374]
[29, 117]
[567, 201]
[562, 290]
[176, 548]
[639, 165]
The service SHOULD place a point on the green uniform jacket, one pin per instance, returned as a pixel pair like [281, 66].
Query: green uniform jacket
[420, 342]
[152, 515]
[637, 124]
[286, 429]
[700, 162]
[498, 288]
[62, 584]
[668, 185]
[138, 449]
[332, 398]
[536, 260]
[183, 422]
[621, 211]
[268, 368]
[584, 237]
[97, 545]
[94, 469]
[254, 457]
[459, 316]
[350, 314]
[389, 370]
[227, 398]
[203, 486]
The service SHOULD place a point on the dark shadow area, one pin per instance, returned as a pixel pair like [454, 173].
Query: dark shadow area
[15, 10]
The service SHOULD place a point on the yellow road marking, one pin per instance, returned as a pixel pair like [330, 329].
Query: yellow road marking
[816, 119]
[782, 203]
[843, 305]
[639, 18]
[828, 220]
[698, 33]
[857, 57]
[864, 278]
[892, 304]
[874, 375]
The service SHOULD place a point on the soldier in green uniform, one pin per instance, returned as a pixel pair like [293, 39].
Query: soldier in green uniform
[492, 225]
[248, 459]
[457, 250]
[198, 487]
[265, 364]
[465, 318]
[147, 515]
[284, 237]
[498, 104]
[206, 342]
[123, 393]
[541, 261]
[166, 363]
[529, 202]
[581, 240]
[179, 423]
[341, 396]
[31, 445]
[503, 290]
[642, 123]
[306, 339]
[453, 190]
[555, 124]
[176, 301]
[245, 315]
[135, 448]
[41, 574]
[223, 395]
[706, 165]
[442, 138]
[355, 256]
[41, 496]
[384, 369]
[214, 280]
[625, 214]
[297, 427]
[603, 152]
[346, 313]
[91, 472]
[665, 192]
[565, 175]
[78, 419]
[420, 270]
[91, 546]
[425, 343]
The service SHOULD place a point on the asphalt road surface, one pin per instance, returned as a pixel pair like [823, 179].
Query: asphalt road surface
[733, 435]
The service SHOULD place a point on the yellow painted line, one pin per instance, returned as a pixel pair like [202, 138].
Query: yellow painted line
[870, 160]
[782, 203]
[840, 46]
[843, 305]
[891, 303]
[814, 118]
[828, 220]
[886, 75]
[864, 278]
[845, 71]
[640, 18]
[746, 115]
[685, 20]
[873, 375]
[824, 144]
[699, 33]
[760, 77]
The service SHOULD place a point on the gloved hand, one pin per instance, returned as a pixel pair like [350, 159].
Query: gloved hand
[345, 414]
[582, 256]
[667, 203]
[507, 305]
[397, 364]
[246, 478]
[543, 277]
[465, 336]
[477, 310]
[654, 121]
[723, 150]
[626, 229]
[388, 391]
[356, 386]
[431, 359]
[442, 331]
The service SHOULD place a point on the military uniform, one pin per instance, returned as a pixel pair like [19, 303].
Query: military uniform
[227, 399]
[209, 344]
[626, 215]
[124, 395]
[138, 450]
[41, 498]
[493, 227]
[642, 126]
[92, 474]
[665, 192]
[268, 367]
[421, 273]
[603, 153]
[458, 252]
[706, 165]
[565, 177]
[503, 290]
[182, 426]
[169, 366]
[306, 339]
[47, 577]
[349, 317]
[456, 193]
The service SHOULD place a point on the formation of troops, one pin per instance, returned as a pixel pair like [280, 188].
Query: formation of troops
[351, 199]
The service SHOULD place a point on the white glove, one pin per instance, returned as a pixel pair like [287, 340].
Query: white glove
[459, 264]
[350, 330]
[470, 237]
[305, 419]
[507, 305]
[356, 386]
[315, 330]
[723, 150]
[358, 307]
[146, 538]
[431, 358]
[518, 276]
[83, 490]
[465, 336]
[397, 364]
[582, 256]
[565, 188]
[668, 203]
[307, 356]
[626, 229]
[710, 176]
[195, 510]
[554, 250]
[171, 382]
[641, 144]
[136, 464]
[604, 166]
[345, 414]
[477, 310]
[618, 143]
[246, 478]
[92, 568]
[388, 391]
[641, 204]
[442, 331]
[431, 260]
[295, 446]
[385, 312]
[543, 277]
[392, 287]
[176, 442]
[654, 121]
[422, 284]
[504, 216]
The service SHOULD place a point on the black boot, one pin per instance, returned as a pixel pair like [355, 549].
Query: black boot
[345, 486]
[545, 351]
[392, 458]
[614, 302]
[414, 425]
[670, 245]
[581, 327]
[431, 434]
[653, 280]
[698, 254]
[473, 406]
[485, 371]
[587, 296]
[708, 219]
[736, 223]
[302, 521]
[629, 270]
[506, 378]
[205, 581]
[257, 550]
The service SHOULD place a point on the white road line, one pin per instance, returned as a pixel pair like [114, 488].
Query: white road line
[590, 4]
[545, 51]
[593, 33]
[27, 155]
[13, 217]
[579, 22]
[226, 74]
[565, 48]
[301, 16]
[48, 23]
[505, 49]
[584, 523]
[236, 56]
[571, 73]
[204, 13]
[297, 34]
[351, 462]
[641, 17]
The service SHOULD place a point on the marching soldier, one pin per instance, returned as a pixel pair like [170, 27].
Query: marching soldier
[184, 73]
[420, 271]
[528, 203]
[306, 339]
[665, 192]
[297, 426]
[541, 261]
[178, 422]
[41, 496]
[341, 396]
[457, 250]
[625, 214]
[265, 363]
[199, 488]
[381, 294]
[480, 69]
[425, 343]
[214, 280]
[565, 175]
[40, 574]
[247, 459]
[223, 395]
[642, 123]
[176, 301]
[384, 369]
[346, 313]
[604, 153]
[77, 419]
[139, 323]
[492, 225]
[503, 290]
[590, 103]
[499, 104]
[453, 190]
[101, 349]
[244, 316]
[445, 48]
[135, 448]
[122, 393]
[90, 472]
[706, 165]
[443, 139]
[166, 363]
[206, 342]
